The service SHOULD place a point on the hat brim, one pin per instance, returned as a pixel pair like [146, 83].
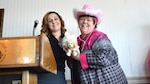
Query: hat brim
[95, 13]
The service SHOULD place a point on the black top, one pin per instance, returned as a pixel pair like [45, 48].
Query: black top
[59, 53]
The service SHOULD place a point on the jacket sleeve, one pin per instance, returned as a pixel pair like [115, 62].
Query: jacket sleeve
[102, 54]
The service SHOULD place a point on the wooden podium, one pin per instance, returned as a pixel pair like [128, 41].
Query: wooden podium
[26, 56]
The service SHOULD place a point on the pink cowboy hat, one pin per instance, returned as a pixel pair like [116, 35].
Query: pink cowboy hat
[88, 10]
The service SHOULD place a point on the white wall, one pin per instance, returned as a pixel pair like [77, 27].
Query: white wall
[126, 22]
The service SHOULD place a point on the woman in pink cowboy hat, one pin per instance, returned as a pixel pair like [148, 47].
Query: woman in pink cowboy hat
[98, 61]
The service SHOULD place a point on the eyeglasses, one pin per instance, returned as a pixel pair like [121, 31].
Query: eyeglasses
[88, 19]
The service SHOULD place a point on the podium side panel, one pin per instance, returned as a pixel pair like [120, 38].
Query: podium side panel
[48, 61]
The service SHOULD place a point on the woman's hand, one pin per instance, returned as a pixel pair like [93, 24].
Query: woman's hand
[65, 49]
[76, 57]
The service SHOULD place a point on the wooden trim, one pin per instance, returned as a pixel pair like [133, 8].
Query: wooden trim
[29, 78]
[139, 80]
[1, 21]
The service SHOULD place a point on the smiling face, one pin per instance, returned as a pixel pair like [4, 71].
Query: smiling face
[86, 24]
[54, 22]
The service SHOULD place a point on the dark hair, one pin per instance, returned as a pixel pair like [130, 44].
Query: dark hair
[94, 19]
[45, 28]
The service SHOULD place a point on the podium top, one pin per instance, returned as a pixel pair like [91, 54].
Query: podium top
[27, 52]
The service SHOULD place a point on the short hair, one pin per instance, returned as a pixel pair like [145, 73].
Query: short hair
[94, 19]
